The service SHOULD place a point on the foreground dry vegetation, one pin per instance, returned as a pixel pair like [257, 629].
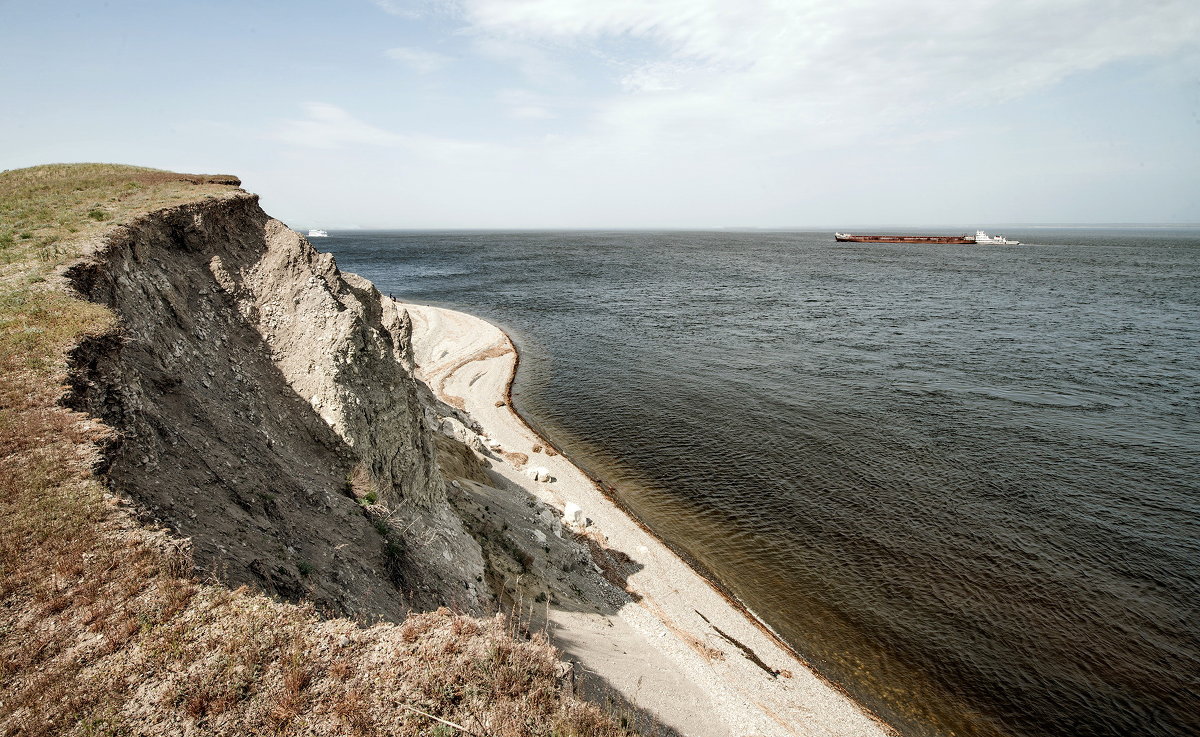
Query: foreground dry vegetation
[103, 630]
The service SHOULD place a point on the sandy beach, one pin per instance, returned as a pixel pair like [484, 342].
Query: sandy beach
[642, 627]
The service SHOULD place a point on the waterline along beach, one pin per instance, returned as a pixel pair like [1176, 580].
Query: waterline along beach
[676, 646]
[530, 368]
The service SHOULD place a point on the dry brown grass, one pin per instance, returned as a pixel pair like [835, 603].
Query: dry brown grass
[102, 631]
[516, 458]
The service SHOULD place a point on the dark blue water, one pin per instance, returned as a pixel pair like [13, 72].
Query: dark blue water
[962, 481]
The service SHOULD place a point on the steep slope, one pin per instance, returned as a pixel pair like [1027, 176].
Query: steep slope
[247, 380]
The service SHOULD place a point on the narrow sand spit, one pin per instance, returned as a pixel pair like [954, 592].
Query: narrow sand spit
[675, 648]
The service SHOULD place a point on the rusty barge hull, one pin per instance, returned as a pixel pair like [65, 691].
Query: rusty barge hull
[847, 238]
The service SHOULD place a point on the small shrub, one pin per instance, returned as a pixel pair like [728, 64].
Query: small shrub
[305, 568]
[97, 214]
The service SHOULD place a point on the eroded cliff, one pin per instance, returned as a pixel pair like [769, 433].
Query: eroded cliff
[265, 408]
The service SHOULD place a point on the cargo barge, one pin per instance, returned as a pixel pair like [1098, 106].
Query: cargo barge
[980, 237]
[848, 238]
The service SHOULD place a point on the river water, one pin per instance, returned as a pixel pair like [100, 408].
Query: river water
[962, 481]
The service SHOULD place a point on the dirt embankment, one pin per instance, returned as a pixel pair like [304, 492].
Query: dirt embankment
[263, 409]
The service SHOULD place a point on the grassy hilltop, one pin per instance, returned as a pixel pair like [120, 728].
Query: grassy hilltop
[104, 630]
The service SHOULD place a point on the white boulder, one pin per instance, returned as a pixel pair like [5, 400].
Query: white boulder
[573, 515]
[452, 428]
[538, 473]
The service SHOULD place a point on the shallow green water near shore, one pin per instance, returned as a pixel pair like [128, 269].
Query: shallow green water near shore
[962, 481]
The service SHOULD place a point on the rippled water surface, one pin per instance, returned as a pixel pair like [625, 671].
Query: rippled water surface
[960, 480]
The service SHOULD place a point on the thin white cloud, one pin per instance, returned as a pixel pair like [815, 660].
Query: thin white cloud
[414, 9]
[326, 126]
[530, 112]
[329, 126]
[421, 61]
[800, 62]
[656, 77]
[525, 104]
[402, 8]
[537, 65]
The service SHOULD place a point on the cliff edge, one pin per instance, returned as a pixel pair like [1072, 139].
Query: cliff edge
[222, 507]
[262, 410]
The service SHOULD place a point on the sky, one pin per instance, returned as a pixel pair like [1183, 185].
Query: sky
[627, 113]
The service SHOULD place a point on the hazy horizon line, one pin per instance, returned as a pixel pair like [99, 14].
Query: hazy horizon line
[751, 228]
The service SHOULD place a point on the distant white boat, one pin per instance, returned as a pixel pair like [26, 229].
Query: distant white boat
[990, 240]
[317, 234]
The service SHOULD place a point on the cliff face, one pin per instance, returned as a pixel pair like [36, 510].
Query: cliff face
[248, 383]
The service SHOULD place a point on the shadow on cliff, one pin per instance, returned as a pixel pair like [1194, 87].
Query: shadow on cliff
[542, 570]
[209, 437]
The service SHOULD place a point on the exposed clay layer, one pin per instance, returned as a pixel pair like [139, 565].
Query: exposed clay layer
[247, 379]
